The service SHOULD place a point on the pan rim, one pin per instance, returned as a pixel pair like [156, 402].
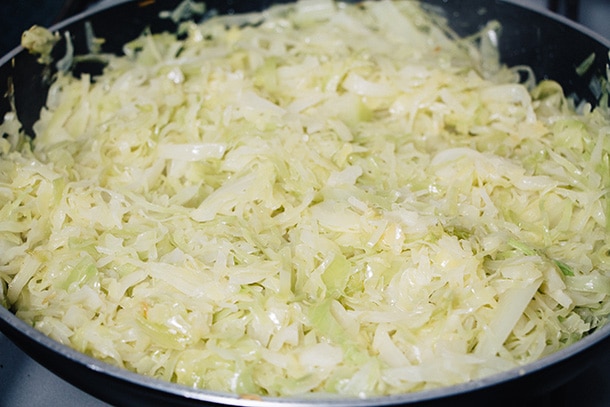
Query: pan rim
[7, 317]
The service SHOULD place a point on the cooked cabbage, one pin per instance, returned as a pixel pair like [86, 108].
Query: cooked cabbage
[319, 198]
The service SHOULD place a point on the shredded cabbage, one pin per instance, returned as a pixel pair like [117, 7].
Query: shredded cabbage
[342, 199]
[39, 41]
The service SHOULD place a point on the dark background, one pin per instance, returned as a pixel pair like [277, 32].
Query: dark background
[17, 16]
[24, 383]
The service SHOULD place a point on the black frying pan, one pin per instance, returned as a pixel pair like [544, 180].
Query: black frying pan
[551, 45]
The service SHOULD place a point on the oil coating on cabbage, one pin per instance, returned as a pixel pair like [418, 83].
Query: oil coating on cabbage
[320, 198]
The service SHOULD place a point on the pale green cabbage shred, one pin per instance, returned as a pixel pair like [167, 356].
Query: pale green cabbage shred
[341, 199]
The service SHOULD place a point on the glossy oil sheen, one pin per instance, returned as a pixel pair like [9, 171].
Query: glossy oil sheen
[553, 47]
